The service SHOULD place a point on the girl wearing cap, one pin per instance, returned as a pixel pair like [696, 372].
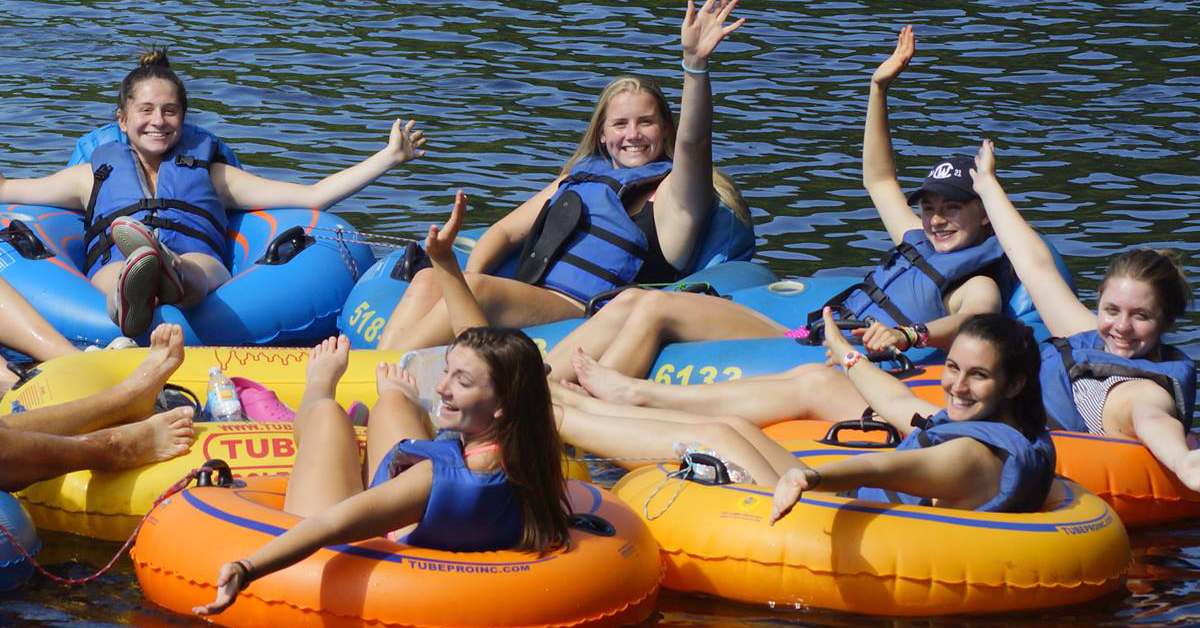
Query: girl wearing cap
[648, 234]
[951, 233]
[1109, 371]
[988, 450]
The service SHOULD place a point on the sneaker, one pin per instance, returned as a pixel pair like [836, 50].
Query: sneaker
[137, 291]
[129, 235]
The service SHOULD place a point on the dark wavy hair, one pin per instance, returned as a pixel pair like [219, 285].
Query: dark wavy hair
[530, 448]
[1020, 358]
[152, 64]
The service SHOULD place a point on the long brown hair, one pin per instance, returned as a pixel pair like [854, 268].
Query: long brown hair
[152, 64]
[591, 146]
[530, 448]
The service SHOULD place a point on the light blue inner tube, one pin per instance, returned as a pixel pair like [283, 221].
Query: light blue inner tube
[294, 302]
[15, 569]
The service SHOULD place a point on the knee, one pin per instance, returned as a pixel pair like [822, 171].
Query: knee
[422, 282]
[814, 376]
[717, 434]
[479, 284]
[652, 308]
[736, 423]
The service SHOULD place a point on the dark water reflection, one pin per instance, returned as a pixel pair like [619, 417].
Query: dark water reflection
[1093, 107]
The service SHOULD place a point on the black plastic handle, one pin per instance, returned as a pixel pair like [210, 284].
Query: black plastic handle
[413, 260]
[592, 524]
[692, 460]
[286, 246]
[25, 241]
[863, 425]
[224, 474]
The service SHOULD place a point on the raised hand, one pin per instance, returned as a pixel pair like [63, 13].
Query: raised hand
[702, 30]
[405, 141]
[906, 45]
[439, 243]
[985, 164]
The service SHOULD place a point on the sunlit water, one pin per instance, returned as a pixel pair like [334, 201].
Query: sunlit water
[1094, 108]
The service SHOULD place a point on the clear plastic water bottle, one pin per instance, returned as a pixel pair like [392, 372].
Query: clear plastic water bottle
[223, 403]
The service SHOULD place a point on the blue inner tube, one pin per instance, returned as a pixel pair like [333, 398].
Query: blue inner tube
[294, 299]
[15, 569]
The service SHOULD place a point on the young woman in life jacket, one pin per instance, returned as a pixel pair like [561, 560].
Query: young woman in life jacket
[1109, 371]
[951, 233]
[174, 178]
[988, 450]
[504, 458]
[650, 234]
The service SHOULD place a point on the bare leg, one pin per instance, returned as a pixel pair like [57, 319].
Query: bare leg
[660, 317]
[396, 416]
[809, 391]
[780, 459]
[422, 295]
[639, 439]
[129, 400]
[505, 302]
[23, 329]
[594, 335]
[28, 457]
[200, 274]
[326, 470]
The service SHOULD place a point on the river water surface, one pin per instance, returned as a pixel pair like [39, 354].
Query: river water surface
[1094, 106]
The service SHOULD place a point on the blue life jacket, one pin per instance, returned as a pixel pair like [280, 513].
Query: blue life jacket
[910, 282]
[466, 511]
[584, 243]
[1082, 355]
[1024, 479]
[187, 210]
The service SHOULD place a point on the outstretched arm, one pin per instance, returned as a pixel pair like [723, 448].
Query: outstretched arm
[374, 512]
[960, 473]
[886, 395]
[1062, 312]
[69, 188]
[242, 190]
[439, 244]
[879, 170]
[686, 196]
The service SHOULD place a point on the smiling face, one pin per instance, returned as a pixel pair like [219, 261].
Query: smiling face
[634, 130]
[1130, 319]
[974, 380]
[152, 117]
[952, 225]
[469, 402]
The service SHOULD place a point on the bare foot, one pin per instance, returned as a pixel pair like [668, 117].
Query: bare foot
[391, 380]
[143, 385]
[605, 383]
[160, 437]
[8, 379]
[327, 363]
[569, 394]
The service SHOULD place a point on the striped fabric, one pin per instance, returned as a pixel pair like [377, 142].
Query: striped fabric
[1090, 395]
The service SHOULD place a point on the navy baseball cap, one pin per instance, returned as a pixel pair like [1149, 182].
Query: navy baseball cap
[950, 179]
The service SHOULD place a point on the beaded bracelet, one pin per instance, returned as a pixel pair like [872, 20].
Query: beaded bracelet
[850, 359]
[922, 333]
[693, 71]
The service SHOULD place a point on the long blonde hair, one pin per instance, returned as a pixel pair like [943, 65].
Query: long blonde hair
[591, 146]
